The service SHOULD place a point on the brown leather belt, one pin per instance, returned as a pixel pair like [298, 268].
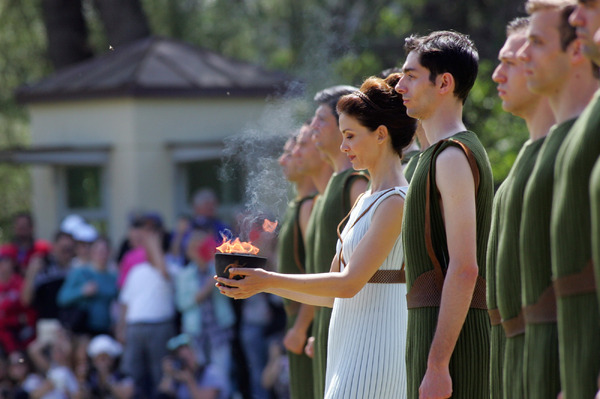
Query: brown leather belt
[426, 293]
[514, 326]
[583, 282]
[544, 310]
[495, 318]
[388, 277]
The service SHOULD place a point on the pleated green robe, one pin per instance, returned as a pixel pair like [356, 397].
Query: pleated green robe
[578, 315]
[497, 336]
[469, 365]
[540, 370]
[411, 163]
[291, 260]
[595, 208]
[508, 267]
[330, 208]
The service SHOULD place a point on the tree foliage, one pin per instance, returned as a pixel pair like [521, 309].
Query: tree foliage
[323, 42]
[328, 42]
[22, 38]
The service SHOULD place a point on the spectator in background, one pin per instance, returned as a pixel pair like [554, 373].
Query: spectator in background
[45, 275]
[206, 204]
[276, 375]
[51, 354]
[177, 253]
[104, 381]
[258, 314]
[5, 383]
[84, 235]
[207, 316]
[186, 376]
[147, 317]
[24, 242]
[136, 253]
[92, 288]
[22, 375]
[17, 322]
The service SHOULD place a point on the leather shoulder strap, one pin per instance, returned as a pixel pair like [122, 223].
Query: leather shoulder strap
[439, 274]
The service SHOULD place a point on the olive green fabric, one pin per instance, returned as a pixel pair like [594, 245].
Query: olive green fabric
[329, 210]
[540, 367]
[570, 233]
[497, 336]
[410, 160]
[469, 365]
[291, 260]
[508, 267]
[595, 208]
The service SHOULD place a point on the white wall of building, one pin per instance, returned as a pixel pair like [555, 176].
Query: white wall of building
[140, 169]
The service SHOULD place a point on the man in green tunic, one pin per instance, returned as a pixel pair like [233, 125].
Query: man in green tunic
[570, 232]
[341, 192]
[448, 326]
[412, 158]
[291, 259]
[586, 19]
[503, 278]
[558, 72]
[309, 163]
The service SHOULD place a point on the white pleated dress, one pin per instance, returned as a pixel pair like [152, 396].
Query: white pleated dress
[367, 333]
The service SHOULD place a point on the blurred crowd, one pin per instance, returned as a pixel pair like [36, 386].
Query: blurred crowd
[83, 317]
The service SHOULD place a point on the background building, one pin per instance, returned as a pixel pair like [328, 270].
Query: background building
[142, 126]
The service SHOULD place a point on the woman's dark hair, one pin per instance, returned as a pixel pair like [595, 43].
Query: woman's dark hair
[377, 104]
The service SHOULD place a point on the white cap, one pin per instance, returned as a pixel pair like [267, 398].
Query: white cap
[104, 344]
[71, 223]
[85, 233]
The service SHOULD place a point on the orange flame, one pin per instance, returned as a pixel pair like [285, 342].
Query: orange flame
[269, 226]
[238, 247]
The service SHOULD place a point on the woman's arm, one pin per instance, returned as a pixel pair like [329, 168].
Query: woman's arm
[368, 256]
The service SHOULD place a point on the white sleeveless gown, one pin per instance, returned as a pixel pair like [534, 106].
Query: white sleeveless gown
[367, 333]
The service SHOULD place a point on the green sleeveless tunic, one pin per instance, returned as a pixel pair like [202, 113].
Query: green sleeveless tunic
[410, 160]
[508, 273]
[469, 365]
[540, 368]
[329, 210]
[595, 208]
[291, 260]
[570, 232]
[497, 336]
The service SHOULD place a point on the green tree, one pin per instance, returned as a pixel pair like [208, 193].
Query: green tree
[323, 42]
[22, 39]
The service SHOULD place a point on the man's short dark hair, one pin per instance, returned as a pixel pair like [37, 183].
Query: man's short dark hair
[447, 51]
[331, 95]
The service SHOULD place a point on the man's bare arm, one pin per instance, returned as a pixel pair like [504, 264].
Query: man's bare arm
[455, 182]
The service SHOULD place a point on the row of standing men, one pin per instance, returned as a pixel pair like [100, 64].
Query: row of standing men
[538, 259]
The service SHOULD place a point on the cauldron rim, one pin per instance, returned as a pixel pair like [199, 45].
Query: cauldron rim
[239, 254]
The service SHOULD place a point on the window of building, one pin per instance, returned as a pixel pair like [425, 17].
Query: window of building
[208, 173]
[84, 193]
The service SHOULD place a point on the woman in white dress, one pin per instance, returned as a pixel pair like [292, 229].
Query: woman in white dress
[367, 333]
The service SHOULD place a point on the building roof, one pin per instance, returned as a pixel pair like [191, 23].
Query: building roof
[157, 67]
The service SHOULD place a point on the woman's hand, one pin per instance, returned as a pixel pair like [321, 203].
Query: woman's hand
[253, 281]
